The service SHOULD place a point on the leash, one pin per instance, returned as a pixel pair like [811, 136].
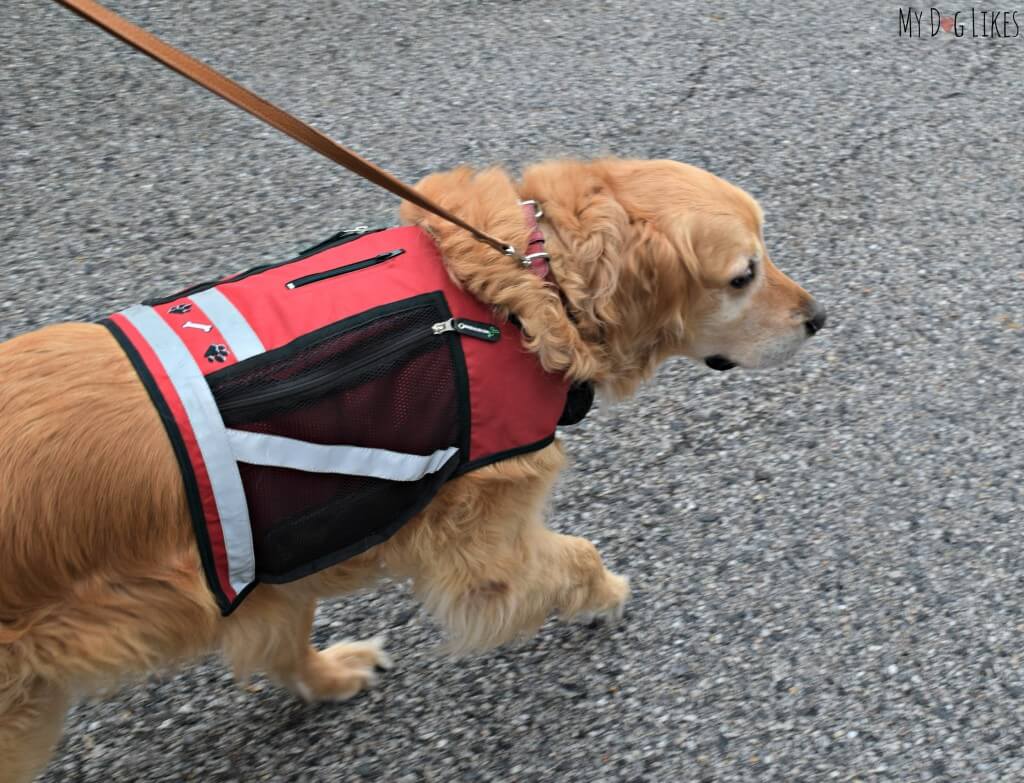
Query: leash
[233, 92]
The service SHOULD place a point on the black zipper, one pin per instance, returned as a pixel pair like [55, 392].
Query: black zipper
[338, 238]
[343, 270]
[317, 384]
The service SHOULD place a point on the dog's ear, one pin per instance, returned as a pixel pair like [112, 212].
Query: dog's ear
[682, 237]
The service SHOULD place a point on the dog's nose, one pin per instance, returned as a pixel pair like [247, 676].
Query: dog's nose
[817, 315]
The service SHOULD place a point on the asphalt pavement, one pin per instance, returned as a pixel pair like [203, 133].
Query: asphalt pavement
[826, 558]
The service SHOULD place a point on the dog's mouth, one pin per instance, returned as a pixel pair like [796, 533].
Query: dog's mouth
[720, 363]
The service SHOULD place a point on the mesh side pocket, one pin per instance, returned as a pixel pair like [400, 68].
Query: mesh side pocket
[383, 380]
[344, 516]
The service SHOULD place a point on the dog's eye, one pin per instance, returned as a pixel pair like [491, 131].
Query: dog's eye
[743, 280]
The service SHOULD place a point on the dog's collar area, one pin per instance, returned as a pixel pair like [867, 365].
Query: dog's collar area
[536, 258]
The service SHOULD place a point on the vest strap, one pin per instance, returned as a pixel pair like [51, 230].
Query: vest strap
[229, 322]
[211, 438]
[257, 448]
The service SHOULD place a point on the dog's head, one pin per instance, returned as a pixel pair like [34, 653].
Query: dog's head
[737, 307]
[683, 267]
[653, 258]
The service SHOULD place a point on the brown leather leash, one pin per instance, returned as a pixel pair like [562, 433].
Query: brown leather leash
[231, 91]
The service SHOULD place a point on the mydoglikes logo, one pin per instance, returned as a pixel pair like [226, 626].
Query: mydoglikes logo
[968, 23]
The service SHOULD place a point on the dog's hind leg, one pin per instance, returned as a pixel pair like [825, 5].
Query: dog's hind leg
[30, 725]
[270, 633]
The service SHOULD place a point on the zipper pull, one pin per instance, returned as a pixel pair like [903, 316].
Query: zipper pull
[357, 230]
[467, 328]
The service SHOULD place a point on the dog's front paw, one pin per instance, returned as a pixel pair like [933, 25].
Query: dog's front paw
[609, 601]
[343, 670]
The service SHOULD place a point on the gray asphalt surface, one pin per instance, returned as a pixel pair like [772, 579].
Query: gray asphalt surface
[826, 558]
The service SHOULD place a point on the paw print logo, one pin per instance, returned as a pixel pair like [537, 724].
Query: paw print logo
[216, 353]
[178, 309]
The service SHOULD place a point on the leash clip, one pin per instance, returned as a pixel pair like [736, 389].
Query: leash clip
[527, 260]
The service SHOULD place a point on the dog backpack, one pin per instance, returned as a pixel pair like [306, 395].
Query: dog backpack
[316, 404]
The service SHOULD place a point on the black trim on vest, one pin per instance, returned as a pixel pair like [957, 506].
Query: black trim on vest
[516, 452]
[195, 506]
[463, 394]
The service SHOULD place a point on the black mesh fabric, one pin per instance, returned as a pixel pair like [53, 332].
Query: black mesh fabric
[339, 516]
[387, 383]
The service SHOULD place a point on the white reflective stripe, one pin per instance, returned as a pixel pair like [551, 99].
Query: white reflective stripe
[232, 324]
[211, 436]
[257, 448]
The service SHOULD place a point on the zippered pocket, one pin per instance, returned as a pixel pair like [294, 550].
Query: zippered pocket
[391, 381]
[343, 270]
[327, 363]
[339, 238]
[333, 376]
[340, 357]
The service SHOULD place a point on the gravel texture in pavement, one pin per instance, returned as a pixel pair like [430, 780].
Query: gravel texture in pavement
[826, 558]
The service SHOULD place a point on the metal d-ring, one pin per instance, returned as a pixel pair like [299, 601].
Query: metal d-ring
[528, 260]
[538, 211]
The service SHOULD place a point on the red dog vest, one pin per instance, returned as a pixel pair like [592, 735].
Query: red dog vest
[316, 404]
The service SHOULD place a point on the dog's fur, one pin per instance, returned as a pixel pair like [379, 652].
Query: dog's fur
[100, 578]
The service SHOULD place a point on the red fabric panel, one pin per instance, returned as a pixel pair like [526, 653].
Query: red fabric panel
[514, 403]
[278, 315]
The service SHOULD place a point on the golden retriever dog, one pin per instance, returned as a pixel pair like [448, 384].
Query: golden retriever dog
[100, 578]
